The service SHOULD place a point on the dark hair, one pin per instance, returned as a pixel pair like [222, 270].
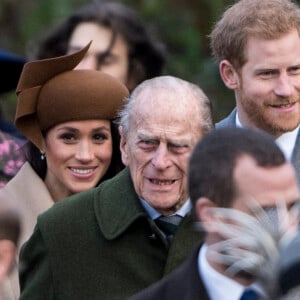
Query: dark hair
[33, 156]
[146, 55]
[213, 161]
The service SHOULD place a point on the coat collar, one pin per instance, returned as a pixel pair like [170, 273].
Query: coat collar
[229, 121]
[117, 205]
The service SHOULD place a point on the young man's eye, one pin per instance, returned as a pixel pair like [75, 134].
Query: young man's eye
[295, 70]
[104, 60]
[267, 73]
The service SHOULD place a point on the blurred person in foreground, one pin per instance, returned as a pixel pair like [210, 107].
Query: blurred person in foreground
[257, 46]
[289, 270]
[10, 224]
[11, 141]
[118, 238]
[67, 116]
[238, 180]
[123, 45]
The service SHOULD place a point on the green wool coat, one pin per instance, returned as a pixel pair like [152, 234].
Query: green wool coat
[100, 244]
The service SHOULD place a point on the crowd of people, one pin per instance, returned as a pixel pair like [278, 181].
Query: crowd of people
[128, 190]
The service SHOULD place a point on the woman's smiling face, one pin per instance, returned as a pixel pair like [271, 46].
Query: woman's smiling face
[78, 155]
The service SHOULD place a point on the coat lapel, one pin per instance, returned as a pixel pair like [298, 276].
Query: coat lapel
[228, 121]
[118, 206]
[296, 156]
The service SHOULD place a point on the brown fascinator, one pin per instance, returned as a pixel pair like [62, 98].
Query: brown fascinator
[50, 92]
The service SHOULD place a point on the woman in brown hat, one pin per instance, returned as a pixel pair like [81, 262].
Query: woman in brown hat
[68, 116]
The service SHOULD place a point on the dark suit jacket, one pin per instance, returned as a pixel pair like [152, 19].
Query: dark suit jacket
[230, 122]
[182, 284]
[100, 244]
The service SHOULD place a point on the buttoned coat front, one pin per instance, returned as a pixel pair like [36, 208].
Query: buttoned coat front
[100, 244]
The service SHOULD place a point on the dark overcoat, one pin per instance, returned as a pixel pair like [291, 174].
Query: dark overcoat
[100, 244]
[184, 283]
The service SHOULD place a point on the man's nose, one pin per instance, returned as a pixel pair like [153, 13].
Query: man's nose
[284, 86]
[161, 158]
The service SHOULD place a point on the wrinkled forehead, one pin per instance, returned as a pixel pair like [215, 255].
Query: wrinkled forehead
[167, 102]
[165, 119]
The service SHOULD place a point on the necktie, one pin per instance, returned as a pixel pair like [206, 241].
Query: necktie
[168, 224]
[250, 294]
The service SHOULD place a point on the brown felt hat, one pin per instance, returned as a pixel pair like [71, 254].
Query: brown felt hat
[50, 92]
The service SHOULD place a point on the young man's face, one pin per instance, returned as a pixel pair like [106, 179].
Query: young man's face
[256, 188]
[265, 185]
[114, 62]
[268, 91]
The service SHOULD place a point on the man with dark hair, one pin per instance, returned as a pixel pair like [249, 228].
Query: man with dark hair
[241, 170]
[123, 45]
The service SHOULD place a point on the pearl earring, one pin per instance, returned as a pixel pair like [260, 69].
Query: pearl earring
[43, 155]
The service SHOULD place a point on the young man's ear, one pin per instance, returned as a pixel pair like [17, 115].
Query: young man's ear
[228, 74]
[123, 146]
[7, 256]
[204, 213]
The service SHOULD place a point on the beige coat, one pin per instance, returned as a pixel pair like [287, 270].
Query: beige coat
[30, 195]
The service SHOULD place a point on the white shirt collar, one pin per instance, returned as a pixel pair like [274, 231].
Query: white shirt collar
[153, 213]
[286, 141]
[218, 285]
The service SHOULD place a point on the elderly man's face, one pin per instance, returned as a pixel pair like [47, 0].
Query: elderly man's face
[157, 148]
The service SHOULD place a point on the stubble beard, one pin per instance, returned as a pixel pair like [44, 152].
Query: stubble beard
[259, 116]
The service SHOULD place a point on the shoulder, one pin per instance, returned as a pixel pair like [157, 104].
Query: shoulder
[80, 205]
[229, 121]
[183, 283]
[73, 205]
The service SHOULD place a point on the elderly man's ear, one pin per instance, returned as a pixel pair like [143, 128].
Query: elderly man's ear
[123, 147]
[7, 256]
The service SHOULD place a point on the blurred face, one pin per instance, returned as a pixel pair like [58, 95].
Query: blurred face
[78, 154]
[266, 185]
[8, 251]
[269, 92]
[111, 59]
[157, 150]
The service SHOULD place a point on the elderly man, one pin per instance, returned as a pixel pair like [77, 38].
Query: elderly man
[244, 173]
[114, 240]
